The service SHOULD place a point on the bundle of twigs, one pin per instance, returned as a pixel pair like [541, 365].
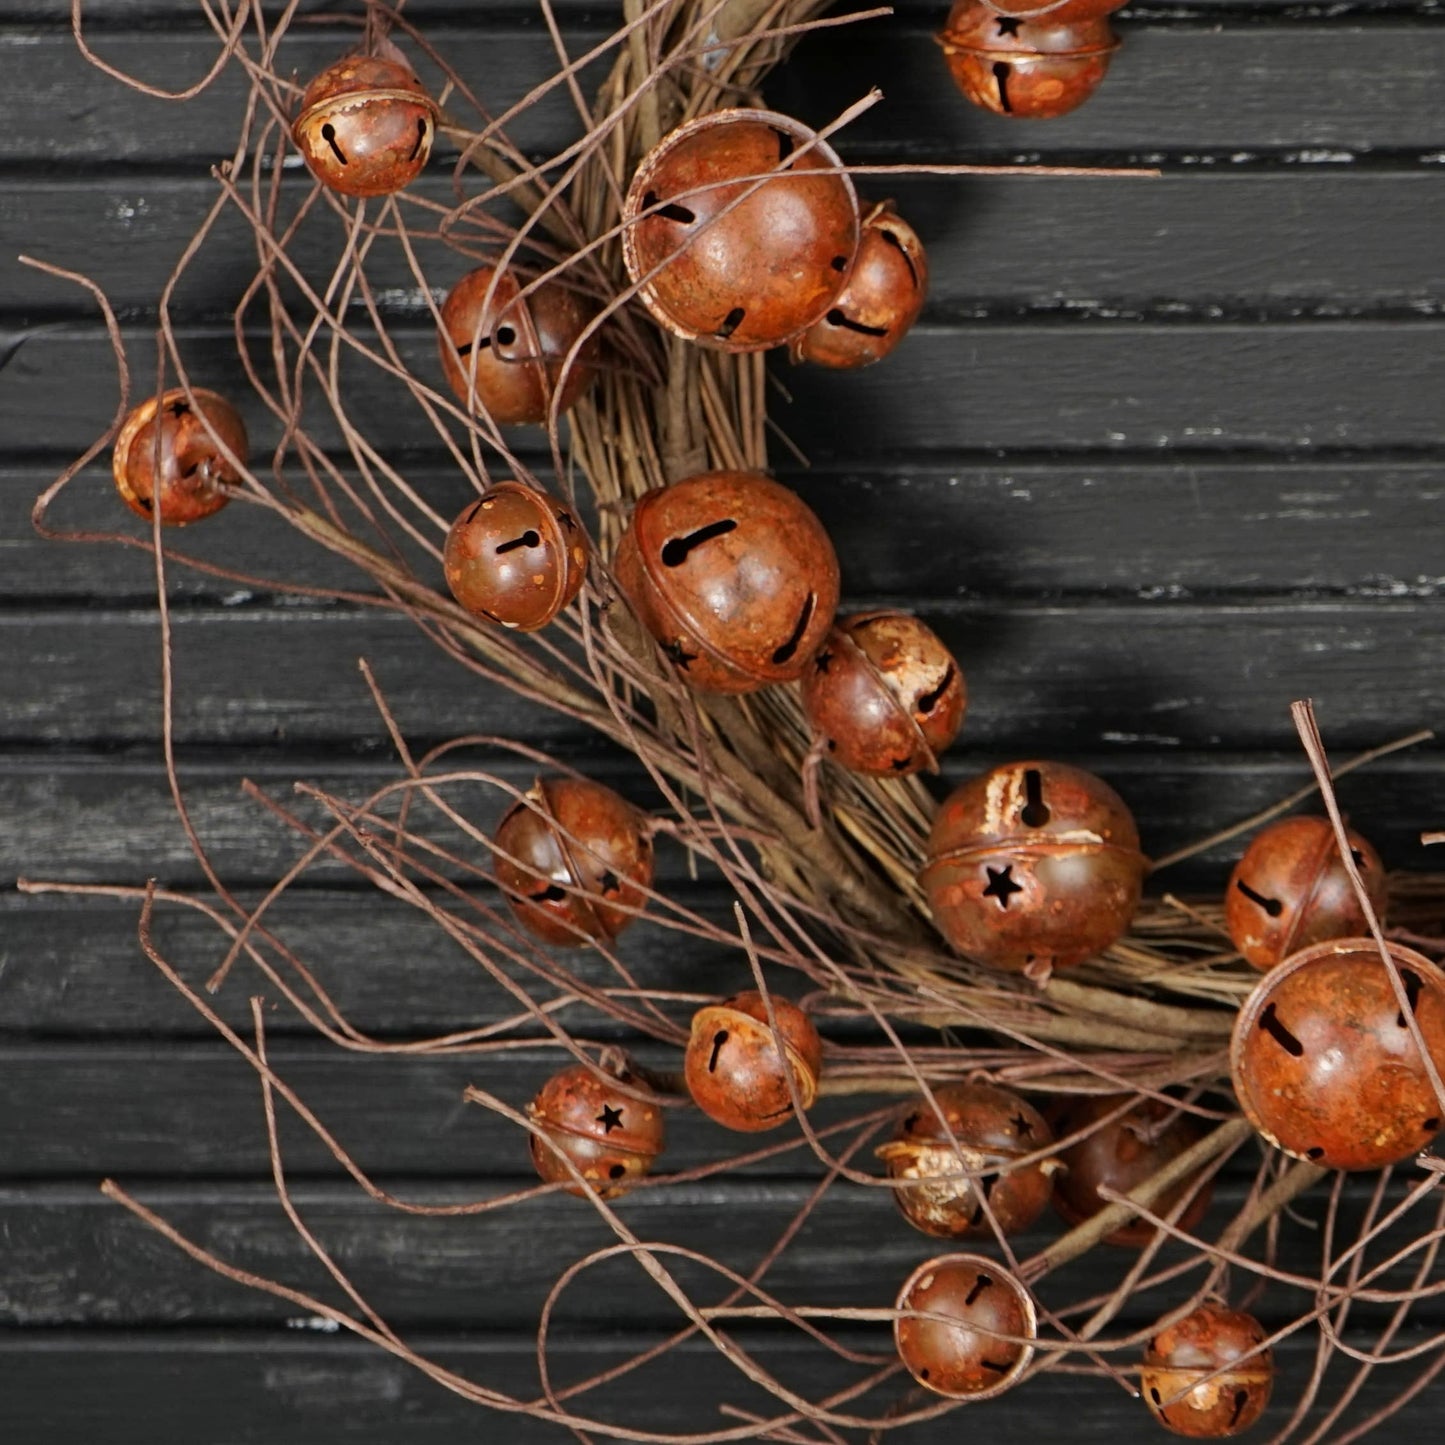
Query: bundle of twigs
[823, 864]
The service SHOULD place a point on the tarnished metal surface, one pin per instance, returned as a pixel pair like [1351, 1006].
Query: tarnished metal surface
[733, 575]
[183, 476]
[1324, 1062]
[886, 694]
[507, 355]
[1195, 1347]
[583, 858]
[516, 556]
[610, 1136]
[758, 274]
[1291, 890]
[1033, 866]
[365, 126]
[734, 1069]
[1027, 69]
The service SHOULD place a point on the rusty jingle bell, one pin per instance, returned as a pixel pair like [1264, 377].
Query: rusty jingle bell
[1032, 867]
[1122, 1154]
[507, 355]
[885, 693]
[583, 857]
[610, 1137]
[880, 302]
[1069, 12]
[733, 575]
[1027, 69]
[1291, 890]
[1183, 1356]
[986, 1348]
[724, 252]
[366, 126]
[185, 479]
[734, 1070]
[515, 557]
[1324, 1064]
[993, 1128]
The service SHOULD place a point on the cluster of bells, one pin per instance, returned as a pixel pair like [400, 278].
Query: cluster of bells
[1325, 1065]
[1032, 867]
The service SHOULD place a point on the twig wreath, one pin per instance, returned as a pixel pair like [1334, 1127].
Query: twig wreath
[1073, 1044]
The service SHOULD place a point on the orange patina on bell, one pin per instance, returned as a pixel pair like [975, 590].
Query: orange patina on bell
[573, 858]
[167, 458]
[1033, 867]
[885, 693]
[506, 353]
[733, 575]
[1291, 890]
[515, 557]
[983, 1343]
[880, 302]
[366, 125]
[740, 229]
[1325, 1064]
[1208, 1376]
[993, 1130]
[1026, 69]
[736, 1072]
[610, 1136]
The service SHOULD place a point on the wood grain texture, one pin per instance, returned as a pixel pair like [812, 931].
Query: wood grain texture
[275, 1388]
[1164, 456]
[1173, 91]
[1323, 240]
[1044, 676]
[1019, 529]
[80, 1255]
[82, 816]
[984, 386]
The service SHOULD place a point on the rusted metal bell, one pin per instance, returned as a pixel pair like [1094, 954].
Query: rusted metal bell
[756, 275]
[734, 1070]
[366, 126]
[1033, 866]
[1323, 1060]
[733, 575]
[1121, 1155]
[987, 1349]
[1182, 1355]
[187, 479]
[507, 356]
[610, 1136]
[880, 301]
[1291, 890]
[516, 557]
[993, 1127]
[1028, 69]
[1071, 12]
[886, 694]
[583, 858]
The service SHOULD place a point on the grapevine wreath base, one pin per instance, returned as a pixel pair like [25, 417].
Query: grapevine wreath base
[850, 1025]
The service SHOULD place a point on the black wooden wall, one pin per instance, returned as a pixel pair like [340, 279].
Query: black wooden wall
[1162, 456]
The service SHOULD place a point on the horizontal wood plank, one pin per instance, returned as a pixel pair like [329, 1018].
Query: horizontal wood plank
[981, 386]
[1041, 676]
[73, 968]
[1180, 91]
[1323, 241]
[1145, 529]
[111, 820]
[194, 1110]
[289, 1388]
[79, 1258]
